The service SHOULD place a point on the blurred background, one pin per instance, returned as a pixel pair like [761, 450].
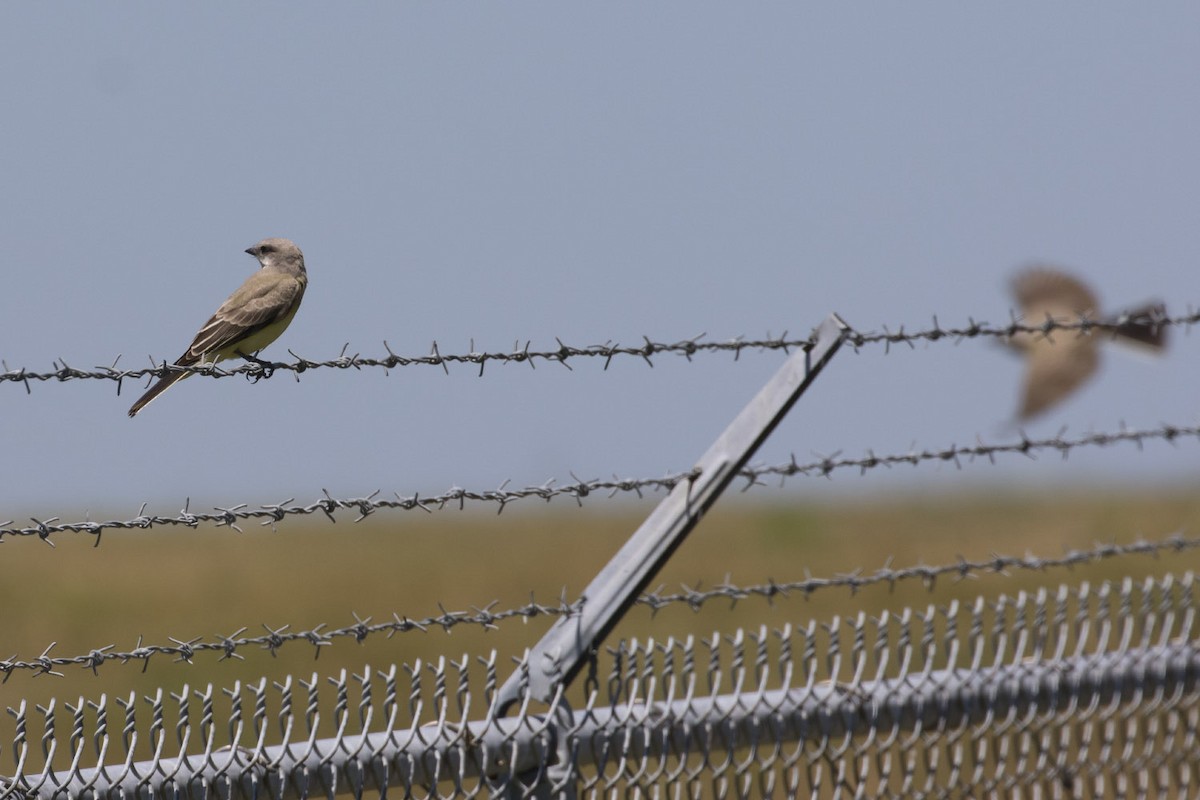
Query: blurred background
[479, 175]
[518, 173]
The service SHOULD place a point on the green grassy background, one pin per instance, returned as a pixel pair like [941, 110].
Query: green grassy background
[209, 582]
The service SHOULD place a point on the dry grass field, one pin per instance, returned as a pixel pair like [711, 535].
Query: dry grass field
[210, 582]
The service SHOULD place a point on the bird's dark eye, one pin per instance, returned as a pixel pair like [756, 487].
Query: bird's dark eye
[266, 248]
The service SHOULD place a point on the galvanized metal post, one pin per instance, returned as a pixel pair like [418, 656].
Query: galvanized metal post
[557, 658]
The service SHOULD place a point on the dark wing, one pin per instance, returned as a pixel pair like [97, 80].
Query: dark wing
[264, 298]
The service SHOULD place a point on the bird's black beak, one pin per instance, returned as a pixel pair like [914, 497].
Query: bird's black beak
[252, 251]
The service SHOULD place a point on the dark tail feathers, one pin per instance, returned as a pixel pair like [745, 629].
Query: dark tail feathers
[1144, 326]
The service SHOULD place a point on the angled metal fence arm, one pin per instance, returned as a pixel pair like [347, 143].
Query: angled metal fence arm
[557, 658]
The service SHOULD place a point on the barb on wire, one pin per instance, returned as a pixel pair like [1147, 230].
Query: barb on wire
[489, 618]
[272, 513]
[564, 353]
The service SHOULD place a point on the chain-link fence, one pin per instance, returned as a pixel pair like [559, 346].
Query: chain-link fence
[1086, 690]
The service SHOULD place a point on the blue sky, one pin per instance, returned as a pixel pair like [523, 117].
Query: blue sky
[504, 172]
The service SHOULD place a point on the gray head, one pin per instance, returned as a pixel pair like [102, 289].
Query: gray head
[279, 254]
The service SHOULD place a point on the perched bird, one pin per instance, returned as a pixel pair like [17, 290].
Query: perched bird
[1060, 362]
[250, 319]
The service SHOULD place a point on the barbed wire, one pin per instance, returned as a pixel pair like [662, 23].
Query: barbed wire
[928, 575]
[488, 618]
[270, 514]
[276, 637]
[1083, 326]
[956, 454]
[61, 372]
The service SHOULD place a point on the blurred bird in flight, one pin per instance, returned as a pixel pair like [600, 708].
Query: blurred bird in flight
[250, 319]
[1058, 363]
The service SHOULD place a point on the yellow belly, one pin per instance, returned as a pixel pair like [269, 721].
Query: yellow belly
[260, 339]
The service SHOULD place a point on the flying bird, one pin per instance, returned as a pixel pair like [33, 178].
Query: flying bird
[250, 319]
[1060, 362]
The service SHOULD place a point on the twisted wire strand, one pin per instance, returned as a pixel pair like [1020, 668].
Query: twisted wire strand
[273, 513]
[563, 354]
[489, 618]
